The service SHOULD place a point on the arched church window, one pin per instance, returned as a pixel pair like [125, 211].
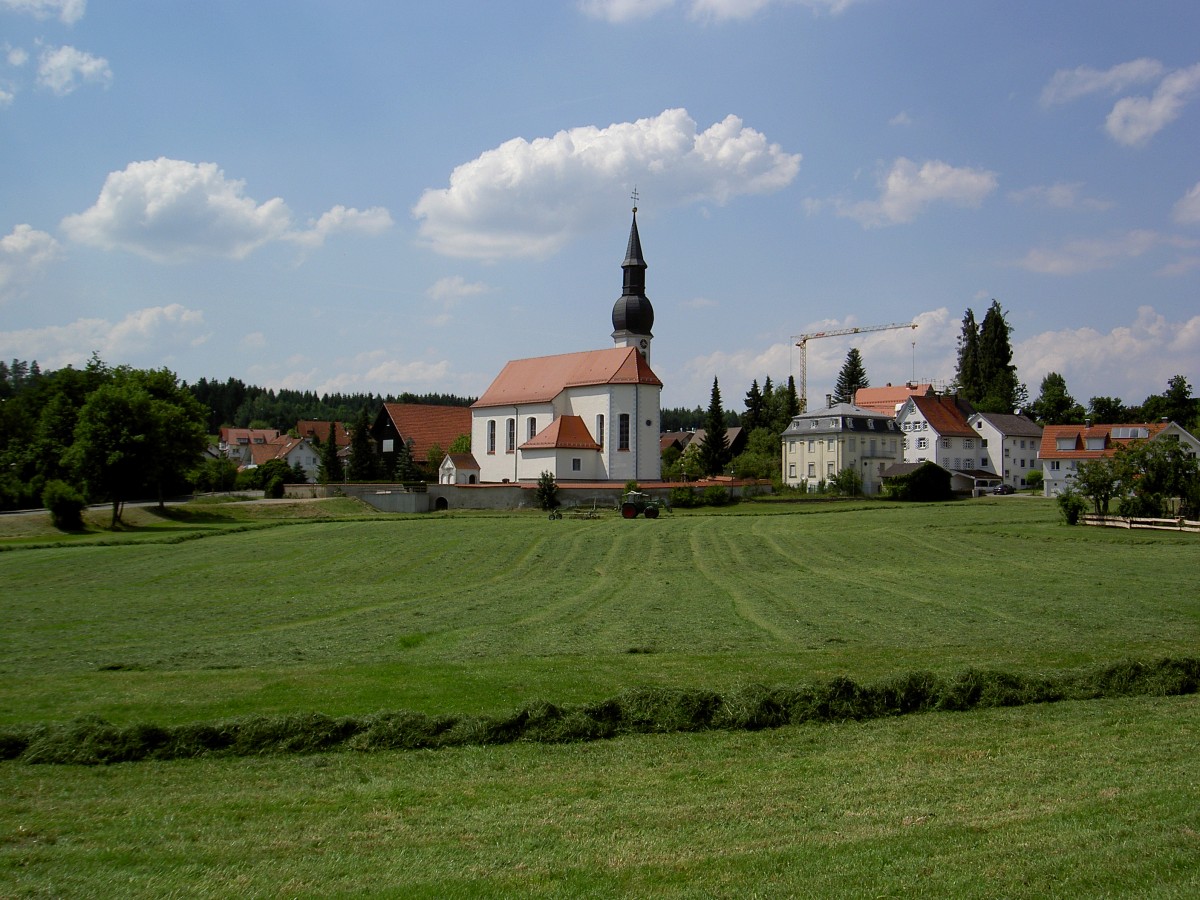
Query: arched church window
[510, 436]
[623, 432]
[491, 436]
[600, 429]
[531, 428]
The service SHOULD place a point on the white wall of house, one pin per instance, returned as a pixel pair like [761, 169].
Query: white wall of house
[305, 454]
[601, 408]
[497, 432]
[818, 445]
[923, 443]
[1011, 457]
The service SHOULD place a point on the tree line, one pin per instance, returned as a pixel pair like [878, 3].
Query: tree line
[234, 403]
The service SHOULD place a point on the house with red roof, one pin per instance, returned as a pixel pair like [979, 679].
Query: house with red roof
[1064, 447]
[586, 416]
[936, 429]
[236, 443]
[889, 398]
[423, 427]
[318, 431]
[291, 450]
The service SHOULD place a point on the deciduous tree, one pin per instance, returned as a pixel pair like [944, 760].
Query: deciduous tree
[1054, 405]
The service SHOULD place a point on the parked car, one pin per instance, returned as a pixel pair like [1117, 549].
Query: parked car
[1004, 489]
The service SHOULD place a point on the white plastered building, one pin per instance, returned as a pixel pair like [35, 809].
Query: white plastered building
[586, 416]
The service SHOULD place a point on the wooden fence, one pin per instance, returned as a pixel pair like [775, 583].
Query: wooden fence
[1179, 524]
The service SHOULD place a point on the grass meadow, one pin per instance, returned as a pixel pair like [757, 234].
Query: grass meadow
[207, 613]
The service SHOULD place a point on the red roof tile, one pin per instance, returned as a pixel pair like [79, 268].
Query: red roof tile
[427, 425]
[1079, 436]
[541, 379]
[944, 415]
[320, 430]
[565, 433]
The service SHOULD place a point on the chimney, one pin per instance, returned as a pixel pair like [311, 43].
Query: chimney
[829, 401]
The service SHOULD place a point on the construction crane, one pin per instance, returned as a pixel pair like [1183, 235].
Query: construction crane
[803, 339]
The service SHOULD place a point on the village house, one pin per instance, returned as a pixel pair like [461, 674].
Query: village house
[821, 443]
[586, 416]
[235, 443]
[1064, 447]
[292, 450]
[426, 429]
[1008, 445]
[935, 429]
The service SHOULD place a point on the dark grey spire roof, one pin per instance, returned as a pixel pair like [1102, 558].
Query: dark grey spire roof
[632, 312]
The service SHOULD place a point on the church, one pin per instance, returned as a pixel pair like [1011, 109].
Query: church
[588, 416]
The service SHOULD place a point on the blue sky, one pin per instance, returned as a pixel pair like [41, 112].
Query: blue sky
[386, 197]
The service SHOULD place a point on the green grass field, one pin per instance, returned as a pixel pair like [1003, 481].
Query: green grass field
[348, 612]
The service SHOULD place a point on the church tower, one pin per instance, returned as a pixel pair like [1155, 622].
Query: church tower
[632, 315]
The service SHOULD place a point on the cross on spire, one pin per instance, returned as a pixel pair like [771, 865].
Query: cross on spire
[634, 197]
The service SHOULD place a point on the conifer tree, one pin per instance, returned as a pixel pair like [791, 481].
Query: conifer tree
[967, 378]
[714, 449]
[331, 463]
[852, 377]
[986, 378]
[753, 416]
[363, 464]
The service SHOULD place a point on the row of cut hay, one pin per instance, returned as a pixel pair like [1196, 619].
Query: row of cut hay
[93, 741]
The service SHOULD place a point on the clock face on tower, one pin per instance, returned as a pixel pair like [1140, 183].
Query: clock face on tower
[645, 343]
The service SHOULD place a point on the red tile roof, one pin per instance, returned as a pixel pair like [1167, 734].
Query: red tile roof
[541, 379]
[427, 425]
[315, 428]
[276, 449]
[888, 399]
[944, 415]
[464, 462]
[1079, 436]
[565, 433]
[250, 435]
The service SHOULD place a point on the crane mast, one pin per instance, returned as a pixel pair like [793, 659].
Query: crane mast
[803, 339]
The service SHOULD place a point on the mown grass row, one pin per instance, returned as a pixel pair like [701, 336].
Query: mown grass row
[92, 741]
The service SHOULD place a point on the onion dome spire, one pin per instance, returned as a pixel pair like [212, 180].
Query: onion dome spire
[632, 315]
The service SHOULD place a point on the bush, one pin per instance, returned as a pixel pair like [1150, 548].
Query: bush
[65, 504]
[274, 489]
[684, 497]
[1072, 506]
[546, 494]
[715, 496]
[1034, 479]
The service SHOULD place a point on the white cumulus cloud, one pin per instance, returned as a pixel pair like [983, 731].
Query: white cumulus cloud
[1187, 210]
[1134, 120]
[1091, 254]
[1070, 84]
[907, 189]
[528, 198]
[1129, 361]
[448, 293]
[153, 331]
[64, 69]
[66, 11]
[171, 210]
[24, 253]
[1066, 196]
